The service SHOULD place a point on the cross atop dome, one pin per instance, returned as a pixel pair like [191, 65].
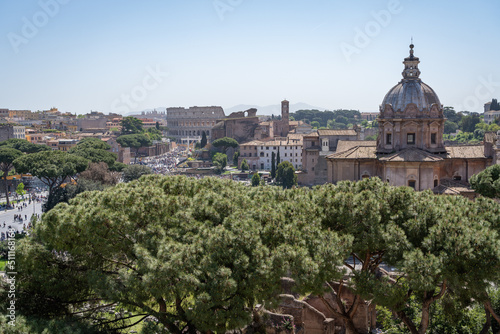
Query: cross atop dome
[411, 70]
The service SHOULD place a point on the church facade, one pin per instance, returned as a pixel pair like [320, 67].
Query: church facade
[409, 150]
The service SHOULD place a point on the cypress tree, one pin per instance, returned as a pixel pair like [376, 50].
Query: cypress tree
[273, 165]
[203, 139]
[278, 159]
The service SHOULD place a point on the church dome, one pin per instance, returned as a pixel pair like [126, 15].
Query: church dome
[411, 115]
[410, 90]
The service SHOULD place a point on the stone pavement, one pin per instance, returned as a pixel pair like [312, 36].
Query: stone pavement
[7, 216]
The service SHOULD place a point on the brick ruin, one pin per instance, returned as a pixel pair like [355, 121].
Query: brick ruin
[310, 315]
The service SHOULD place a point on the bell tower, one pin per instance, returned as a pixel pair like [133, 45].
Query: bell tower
[411, 70]
[285, 117]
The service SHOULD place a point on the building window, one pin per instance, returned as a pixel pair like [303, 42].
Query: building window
[436, 182]
[388, 139]
[410, 139]
[249, 154]
[433, 138]
[267, 147]
[285, 154]
[262, 154]
[412, 184]
[457, 178]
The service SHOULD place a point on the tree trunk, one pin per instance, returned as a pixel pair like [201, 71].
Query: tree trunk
[487, 324]
[490, 309]
[6, 187]
[424, 323]
[172, 328]
[349, 327]
[407, 321]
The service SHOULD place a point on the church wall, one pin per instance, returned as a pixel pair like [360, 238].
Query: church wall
[368, 168]
[458, 169]
[401, 173]
[352, 170]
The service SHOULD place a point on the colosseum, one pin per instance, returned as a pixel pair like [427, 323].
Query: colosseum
[189, 123]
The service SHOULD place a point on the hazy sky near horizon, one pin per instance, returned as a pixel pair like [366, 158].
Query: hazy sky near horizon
[124, 56]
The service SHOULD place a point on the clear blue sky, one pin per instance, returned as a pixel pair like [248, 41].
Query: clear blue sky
[90, 55]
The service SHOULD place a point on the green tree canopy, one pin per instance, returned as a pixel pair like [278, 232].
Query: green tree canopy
[219, 160]
[487, 182]
[327, 118]
[436, 245]
[273, 165]
[94, 150]
[244, 165]
[451, 115]
[7, 157]
[285, 175]
[154, 134]
[94, 143]
[236, 156]
[468, 123]
[131, 125]
[196, 254]
[51, 167]
[225, 143]
[134, 141]
[204, 139]
[134, 172]
[255, 180]
[450, 127]
[20, 189]
[94, 155]
[24, 146]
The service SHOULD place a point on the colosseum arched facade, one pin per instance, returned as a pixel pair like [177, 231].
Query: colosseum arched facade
[183, 123]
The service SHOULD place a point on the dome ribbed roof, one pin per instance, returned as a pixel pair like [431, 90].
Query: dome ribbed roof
[411, 91]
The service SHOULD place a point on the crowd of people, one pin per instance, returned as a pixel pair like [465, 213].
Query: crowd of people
[165, 163]
[25, 215]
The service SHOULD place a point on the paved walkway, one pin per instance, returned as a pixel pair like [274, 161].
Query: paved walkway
[7, 216]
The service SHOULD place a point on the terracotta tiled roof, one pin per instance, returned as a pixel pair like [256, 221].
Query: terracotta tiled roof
[450, 187]
[411, 154]
[356, 152]
[253, 143]
[337, 132]
[295, 136]
[344, 145]
[466, 152]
